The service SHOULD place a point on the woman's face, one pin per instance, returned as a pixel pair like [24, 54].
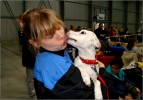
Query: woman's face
[55, 42]
[115, 69]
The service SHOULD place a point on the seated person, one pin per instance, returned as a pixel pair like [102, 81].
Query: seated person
[134, 70]
[121, 86]
[130, 57]
[139, 54]
[100, 32]
[131, 46]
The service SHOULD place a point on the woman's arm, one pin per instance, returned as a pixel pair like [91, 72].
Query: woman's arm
[69, 86]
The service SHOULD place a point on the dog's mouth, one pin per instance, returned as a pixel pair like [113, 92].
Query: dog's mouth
[68, 38]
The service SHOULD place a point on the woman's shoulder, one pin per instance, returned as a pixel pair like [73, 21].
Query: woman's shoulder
[126, 49]
[135, 49]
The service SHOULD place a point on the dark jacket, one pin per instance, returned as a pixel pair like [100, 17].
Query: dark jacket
[28, 59]
[63, 82]
[118, 86]
[70, 86]
[135, 76]
[98, 32]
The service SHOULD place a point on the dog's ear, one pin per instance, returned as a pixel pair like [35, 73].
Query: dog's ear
[97, 44]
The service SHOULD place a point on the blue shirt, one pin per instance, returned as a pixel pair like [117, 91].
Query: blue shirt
[49, 68]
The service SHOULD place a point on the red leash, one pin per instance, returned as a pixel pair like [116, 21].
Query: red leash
[103, 82]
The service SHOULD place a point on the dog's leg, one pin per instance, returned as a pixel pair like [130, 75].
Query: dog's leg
[85, 76]
[97, 90]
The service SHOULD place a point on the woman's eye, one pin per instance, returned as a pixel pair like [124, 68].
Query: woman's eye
[83, 32]
[59, 28]
[49, 37]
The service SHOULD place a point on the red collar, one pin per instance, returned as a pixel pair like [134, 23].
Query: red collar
[89, 61]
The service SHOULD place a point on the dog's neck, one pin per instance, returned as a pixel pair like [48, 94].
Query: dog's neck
[90, 62]
[87, 53]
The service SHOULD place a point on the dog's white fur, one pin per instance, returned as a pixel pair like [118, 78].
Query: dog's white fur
[86, 42]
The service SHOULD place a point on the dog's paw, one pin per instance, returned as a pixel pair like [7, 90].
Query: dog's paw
[86, 79]
[97, 90]
[85, 76]
[98, 97]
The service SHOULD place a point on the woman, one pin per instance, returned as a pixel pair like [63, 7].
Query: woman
[131, 48]
[55, 75]
[129, 55]
[28, 60]
[121, 86]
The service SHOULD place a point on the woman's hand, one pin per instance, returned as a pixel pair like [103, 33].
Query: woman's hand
[128, 97]
[138, 90]
[100, 64]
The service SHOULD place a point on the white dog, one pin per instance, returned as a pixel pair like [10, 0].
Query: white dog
[87, 44]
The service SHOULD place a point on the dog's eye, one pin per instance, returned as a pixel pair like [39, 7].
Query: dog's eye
[83, 32]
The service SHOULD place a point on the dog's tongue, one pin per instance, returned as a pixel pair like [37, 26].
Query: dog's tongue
[67, 38]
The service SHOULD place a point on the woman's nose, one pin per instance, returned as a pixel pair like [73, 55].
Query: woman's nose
[61, 34]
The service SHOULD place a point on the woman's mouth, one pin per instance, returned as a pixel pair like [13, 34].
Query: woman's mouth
[65, 41]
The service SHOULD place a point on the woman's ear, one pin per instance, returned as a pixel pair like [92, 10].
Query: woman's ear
[33, 43]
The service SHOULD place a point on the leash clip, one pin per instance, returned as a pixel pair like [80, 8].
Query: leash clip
[94, 68]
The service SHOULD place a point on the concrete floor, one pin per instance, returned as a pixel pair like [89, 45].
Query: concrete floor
[13, 74]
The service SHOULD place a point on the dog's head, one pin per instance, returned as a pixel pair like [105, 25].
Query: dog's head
[83, 39]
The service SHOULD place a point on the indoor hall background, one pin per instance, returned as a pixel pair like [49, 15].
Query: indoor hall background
[75, 12]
